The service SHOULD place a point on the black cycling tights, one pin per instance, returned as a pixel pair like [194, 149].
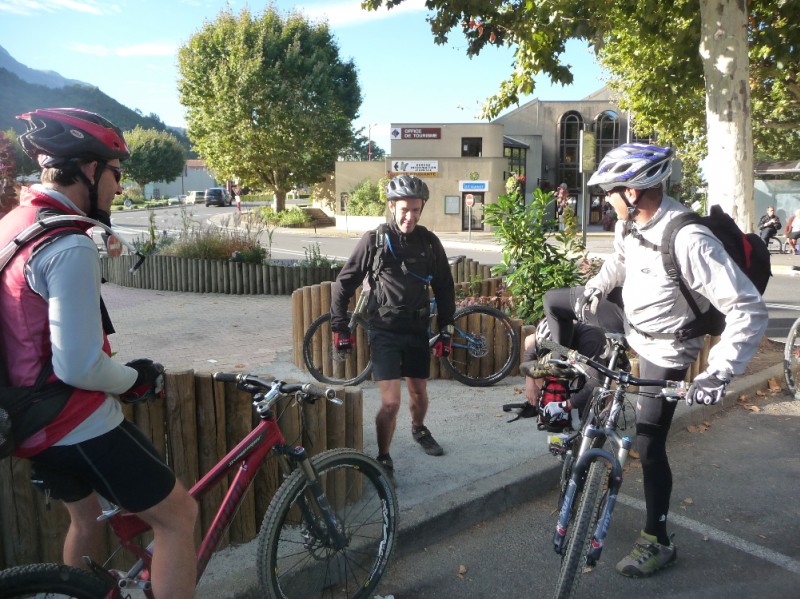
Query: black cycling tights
[558, 309]
[653, 419]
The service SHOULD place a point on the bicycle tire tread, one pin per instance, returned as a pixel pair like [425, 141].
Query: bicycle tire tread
[66, 581]
[574, 556]
[317, 371]
[508, 365]
[284, 501]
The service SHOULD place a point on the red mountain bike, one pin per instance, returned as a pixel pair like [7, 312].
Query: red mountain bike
[328, 532]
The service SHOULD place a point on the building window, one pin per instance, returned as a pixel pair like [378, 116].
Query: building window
[516, 164]
[569, 132]
[471, 146]
[606, 132]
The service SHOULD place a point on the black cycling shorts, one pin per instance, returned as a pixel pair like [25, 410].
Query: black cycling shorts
[122, 466]
[398, 355]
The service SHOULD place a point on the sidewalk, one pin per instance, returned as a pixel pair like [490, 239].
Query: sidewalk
[488, 466]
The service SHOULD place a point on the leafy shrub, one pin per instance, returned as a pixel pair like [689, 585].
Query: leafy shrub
[314, 258]
[367, 199]
[293, 217]
[534, 260]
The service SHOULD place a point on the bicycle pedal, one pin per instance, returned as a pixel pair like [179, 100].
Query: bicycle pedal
[557, 444]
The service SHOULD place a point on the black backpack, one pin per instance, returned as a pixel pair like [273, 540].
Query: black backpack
[747, 250]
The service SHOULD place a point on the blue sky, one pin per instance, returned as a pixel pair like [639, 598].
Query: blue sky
[128, 49]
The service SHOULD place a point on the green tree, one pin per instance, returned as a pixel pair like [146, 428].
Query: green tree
[269, 101]
[535, 259]
[680, 67]
[362, 148]
[368, 199]
[155, 156]
[23, 164]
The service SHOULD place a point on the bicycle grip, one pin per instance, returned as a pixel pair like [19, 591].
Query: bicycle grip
[317, 391]
[225, 377]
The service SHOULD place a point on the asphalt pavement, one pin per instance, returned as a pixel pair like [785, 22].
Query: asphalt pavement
[489, 464]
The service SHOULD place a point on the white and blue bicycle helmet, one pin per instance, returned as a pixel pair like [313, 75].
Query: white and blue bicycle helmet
[633, 165]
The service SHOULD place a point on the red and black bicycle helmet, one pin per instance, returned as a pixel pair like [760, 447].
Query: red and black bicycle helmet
[58, 135]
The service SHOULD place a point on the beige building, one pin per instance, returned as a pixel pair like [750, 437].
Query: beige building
[468, 163]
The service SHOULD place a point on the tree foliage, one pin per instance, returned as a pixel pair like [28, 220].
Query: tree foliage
[368, 199]
[651, 50]
[529, 274]
[269, 101]
[23, 165]
[362, 148]
[155, 156]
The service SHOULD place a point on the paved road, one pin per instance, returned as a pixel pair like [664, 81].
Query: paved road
[734, 517]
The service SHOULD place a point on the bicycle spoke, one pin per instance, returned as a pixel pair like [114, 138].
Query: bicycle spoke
[299, 557]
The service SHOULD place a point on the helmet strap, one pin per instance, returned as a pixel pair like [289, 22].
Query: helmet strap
[94, 212]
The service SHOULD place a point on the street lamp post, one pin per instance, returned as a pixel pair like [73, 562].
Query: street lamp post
[369, 141]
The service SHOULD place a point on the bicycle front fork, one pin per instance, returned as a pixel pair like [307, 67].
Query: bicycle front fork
[333, 530]
[576, 484]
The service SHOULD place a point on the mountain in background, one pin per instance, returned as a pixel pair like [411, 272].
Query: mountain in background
[46, 78]
[23, 89]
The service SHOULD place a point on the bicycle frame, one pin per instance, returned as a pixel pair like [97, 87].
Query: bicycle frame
[248, 455]
[595, 437]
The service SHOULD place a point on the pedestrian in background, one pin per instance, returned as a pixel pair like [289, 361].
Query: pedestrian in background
[769, 225]
[562, 201]
[792, 231]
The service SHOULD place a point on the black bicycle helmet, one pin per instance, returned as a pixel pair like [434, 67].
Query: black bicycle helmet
[57, 135]
[404, 187]
[634, 165]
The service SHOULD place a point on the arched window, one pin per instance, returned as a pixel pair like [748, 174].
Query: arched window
[569, 133]
[607, 132]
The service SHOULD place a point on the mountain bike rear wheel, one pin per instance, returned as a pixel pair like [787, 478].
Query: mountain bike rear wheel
[326, 364]
[791, 360]
[485, 346]
[51, 580]
[298, 558]
[591, 501]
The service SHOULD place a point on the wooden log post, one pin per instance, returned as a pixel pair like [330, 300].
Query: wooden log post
[354, 433]
[211, 428]
[239, 423]
[298, 331]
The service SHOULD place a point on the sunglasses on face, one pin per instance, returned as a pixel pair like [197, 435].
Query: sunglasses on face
[116, 171]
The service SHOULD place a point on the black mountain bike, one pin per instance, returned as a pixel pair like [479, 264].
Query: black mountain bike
[485, 347]
[591, 475]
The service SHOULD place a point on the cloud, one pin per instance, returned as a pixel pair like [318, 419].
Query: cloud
[346, 13]
[34, 7]
[147, 49]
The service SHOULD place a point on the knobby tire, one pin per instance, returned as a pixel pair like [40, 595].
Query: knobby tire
[482, 336]
[327, 365]
[51, 580]
[580, 533]
[791, 360]
[296, 561]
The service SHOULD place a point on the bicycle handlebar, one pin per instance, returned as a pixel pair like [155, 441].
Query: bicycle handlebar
[671, 390]
[254, 384]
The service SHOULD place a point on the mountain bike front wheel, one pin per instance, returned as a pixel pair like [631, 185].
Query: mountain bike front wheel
[485, 346]
[791, 360]
[51, 580]
[585, 521]
[330, 366]
[297, 554]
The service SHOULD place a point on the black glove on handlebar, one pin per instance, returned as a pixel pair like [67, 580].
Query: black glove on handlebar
[149, 381]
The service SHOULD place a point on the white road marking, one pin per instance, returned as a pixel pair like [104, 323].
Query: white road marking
[780, 560]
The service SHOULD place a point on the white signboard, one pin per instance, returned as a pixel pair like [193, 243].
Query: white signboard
[420, 168]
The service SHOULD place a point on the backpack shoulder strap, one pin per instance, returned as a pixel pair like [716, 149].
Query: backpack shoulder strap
[381, 231]
[668, 255]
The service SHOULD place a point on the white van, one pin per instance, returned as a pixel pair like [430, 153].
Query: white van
[196, 197]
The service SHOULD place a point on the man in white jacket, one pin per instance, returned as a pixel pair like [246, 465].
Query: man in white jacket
[633, 177]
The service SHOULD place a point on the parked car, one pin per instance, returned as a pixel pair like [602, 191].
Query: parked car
[219, 196]
[179, 199]
[195, 197]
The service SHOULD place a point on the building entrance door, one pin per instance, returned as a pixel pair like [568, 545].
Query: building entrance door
[473, 213]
